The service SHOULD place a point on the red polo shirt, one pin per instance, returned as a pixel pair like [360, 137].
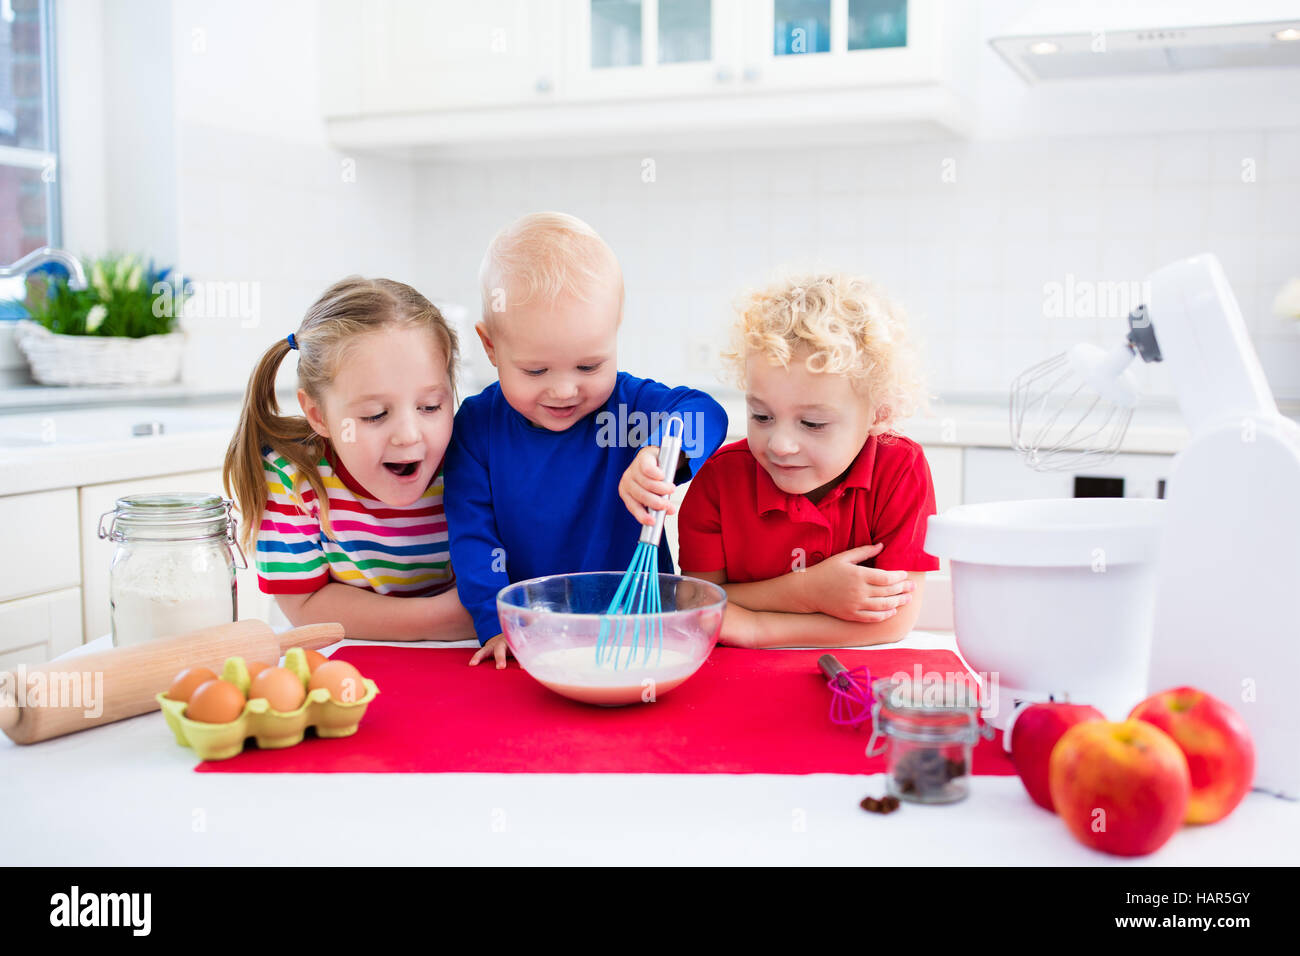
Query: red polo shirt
[735, 519]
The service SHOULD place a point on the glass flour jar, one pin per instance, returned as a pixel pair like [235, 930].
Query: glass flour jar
[173, 570]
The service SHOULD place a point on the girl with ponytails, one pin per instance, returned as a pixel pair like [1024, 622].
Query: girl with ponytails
[344, 502]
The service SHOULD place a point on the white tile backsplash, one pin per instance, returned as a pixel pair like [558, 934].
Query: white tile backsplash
[1279, 208]
[1234, 208]
[972, 260]
[1179, 209]
[1183, 159]
[1281, 156]
[1235, 156]
[1133, 165]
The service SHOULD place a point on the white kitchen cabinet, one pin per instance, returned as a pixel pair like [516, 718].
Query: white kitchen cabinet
[466, 80]
[636, 48]
[97, 553]
[35, 629]
[402, 56]
[804, 44]
[617, 49]
[40, 535]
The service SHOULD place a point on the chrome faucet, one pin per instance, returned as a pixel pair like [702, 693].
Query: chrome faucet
[76, 274]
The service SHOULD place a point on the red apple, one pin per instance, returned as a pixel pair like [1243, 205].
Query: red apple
[1034, 734]
[1216, 742]
[1120, 787]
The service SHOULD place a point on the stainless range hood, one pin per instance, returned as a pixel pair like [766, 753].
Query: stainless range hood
[1105, 52]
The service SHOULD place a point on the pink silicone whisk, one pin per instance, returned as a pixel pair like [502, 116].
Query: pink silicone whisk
[850, 692]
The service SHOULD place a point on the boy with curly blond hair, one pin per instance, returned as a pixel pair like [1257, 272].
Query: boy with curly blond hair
[815, 524]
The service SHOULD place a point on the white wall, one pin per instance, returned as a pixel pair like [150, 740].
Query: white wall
[264, 202]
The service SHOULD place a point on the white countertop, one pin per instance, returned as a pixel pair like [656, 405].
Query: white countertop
[126, 793]
[29, 397]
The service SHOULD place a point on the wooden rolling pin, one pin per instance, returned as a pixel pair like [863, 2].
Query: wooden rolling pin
[133, 676]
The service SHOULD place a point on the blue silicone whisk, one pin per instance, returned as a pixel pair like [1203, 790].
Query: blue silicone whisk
[638, 593]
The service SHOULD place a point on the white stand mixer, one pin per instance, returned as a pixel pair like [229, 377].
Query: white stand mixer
[1227, 602]
[1226, 617]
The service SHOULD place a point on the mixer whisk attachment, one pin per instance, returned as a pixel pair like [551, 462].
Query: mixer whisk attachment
[638, 595]
[1074, 408]
[851, 696]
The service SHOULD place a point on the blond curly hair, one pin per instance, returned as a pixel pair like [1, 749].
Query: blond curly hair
[841, 325]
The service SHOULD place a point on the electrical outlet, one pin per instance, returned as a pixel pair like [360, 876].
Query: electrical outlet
[701, 353]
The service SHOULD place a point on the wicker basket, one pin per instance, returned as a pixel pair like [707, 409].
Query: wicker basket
[99, 360]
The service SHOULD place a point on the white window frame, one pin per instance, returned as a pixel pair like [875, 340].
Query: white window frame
[46, 160]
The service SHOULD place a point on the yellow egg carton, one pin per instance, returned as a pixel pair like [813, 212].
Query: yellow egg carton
[272, 729]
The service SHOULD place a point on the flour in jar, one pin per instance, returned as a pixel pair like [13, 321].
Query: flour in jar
[165, 592]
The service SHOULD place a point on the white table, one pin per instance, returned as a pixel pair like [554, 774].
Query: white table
[126, 794]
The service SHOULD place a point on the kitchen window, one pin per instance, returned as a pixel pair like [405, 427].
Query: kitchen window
[29, 193]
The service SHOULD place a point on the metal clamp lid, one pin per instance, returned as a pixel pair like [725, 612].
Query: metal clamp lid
[177, 511]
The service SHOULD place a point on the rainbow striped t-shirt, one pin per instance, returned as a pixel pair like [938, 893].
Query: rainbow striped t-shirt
[400, 551]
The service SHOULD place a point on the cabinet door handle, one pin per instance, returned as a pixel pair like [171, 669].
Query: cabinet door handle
[751, 74]
[543, 84]
[724, 74]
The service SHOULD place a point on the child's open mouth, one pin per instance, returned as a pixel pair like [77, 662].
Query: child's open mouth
[402, 469]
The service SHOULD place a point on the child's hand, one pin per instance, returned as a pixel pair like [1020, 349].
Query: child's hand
[643, 487]
[842, 588]
[495, 647]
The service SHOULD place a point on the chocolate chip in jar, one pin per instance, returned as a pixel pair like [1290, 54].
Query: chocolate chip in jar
[928, 739]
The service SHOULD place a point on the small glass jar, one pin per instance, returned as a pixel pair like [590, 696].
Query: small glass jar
[929, 733]
[173, 570]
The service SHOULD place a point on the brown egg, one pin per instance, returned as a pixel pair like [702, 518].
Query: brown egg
[341, 679]
[215, 702]
[255, 668]
[187, 680]
[314, 659]
[281, 688]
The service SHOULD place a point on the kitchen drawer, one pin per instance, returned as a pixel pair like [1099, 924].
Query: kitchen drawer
[35, 629]
[41, 549]
[1000, 474]
[936, 604]
[946, 464]
[946, 471]
[97, 553]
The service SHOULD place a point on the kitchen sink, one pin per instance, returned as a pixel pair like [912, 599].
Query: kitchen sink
[122, 423]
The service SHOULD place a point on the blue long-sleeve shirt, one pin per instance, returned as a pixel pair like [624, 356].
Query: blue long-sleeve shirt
[523, 501]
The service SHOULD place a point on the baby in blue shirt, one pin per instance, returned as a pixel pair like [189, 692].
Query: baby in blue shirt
[539, 461]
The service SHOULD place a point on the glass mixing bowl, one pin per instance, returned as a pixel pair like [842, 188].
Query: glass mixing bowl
[553, 625]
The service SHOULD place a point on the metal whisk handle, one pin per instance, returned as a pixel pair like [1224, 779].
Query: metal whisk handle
[669, 448]
[832, 667]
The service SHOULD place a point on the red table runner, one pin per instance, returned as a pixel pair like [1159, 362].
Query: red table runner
[745, 711]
